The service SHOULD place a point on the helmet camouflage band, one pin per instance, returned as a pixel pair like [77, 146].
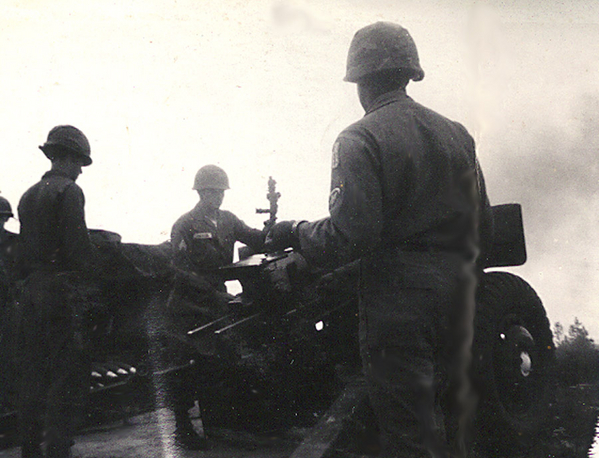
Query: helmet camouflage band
[382, 46]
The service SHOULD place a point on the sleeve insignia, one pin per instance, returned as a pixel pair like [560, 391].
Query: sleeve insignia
[334, 197]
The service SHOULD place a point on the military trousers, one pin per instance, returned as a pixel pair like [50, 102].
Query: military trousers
[53, 367]
[170, 346]
[416, 317]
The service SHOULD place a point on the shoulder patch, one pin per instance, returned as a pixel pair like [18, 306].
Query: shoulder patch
[335, 158]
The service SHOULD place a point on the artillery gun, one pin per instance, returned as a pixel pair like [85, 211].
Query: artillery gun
[285, 352]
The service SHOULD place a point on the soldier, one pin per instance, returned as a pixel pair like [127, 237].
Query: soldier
[203, 240]
[7, 238]
[8, 241]
[54, 253]
[408, 200]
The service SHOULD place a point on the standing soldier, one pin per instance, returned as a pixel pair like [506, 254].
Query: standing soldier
[7, 238]
[54, 252]
[8, 241]
[408, 198]
[203, 240]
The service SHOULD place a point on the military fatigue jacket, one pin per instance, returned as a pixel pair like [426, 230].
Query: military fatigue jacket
[201, 244]
[54, 323]
[403, 177]
[53, 234]
[8, 242]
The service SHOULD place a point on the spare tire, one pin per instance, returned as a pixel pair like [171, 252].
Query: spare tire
[513, 360]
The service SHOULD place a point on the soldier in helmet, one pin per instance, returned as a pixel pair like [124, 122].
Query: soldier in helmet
[203, 239]
[8, 241]
[54, 254]
[5, 214]
[407, 199]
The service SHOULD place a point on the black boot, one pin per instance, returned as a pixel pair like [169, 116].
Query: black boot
[31, 444]
[59, 449]
[190, 440]
[31, 451]
[186, 436]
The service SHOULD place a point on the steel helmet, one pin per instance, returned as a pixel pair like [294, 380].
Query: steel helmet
[211, 177]
[382, 46]
[5, 208]
[63, 139]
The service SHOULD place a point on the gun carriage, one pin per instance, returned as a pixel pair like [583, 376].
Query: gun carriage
[285, 352]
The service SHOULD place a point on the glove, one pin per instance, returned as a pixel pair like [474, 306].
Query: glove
[282, 235]
[288, 272]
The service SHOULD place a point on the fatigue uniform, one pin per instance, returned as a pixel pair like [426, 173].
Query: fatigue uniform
[54, 250]
[8, 241]
[406, 197]
[200, 245]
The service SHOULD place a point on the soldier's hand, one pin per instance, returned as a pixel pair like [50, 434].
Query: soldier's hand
[281, 236]
[288, 272]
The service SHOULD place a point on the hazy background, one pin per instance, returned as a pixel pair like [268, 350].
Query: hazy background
[163, 87]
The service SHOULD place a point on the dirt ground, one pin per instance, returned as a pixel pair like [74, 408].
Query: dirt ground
[569, 434]
[148, 436]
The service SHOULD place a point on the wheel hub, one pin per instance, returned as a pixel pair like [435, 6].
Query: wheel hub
[515, 366]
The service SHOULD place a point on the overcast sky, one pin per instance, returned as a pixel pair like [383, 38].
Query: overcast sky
[163, 87]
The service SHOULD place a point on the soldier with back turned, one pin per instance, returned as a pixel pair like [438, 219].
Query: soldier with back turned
[407, 199]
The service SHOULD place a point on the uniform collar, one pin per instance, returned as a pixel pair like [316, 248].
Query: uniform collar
[199, 211]
[387, 98]
[56, 173]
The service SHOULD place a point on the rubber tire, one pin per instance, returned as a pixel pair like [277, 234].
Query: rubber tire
[506, 426]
